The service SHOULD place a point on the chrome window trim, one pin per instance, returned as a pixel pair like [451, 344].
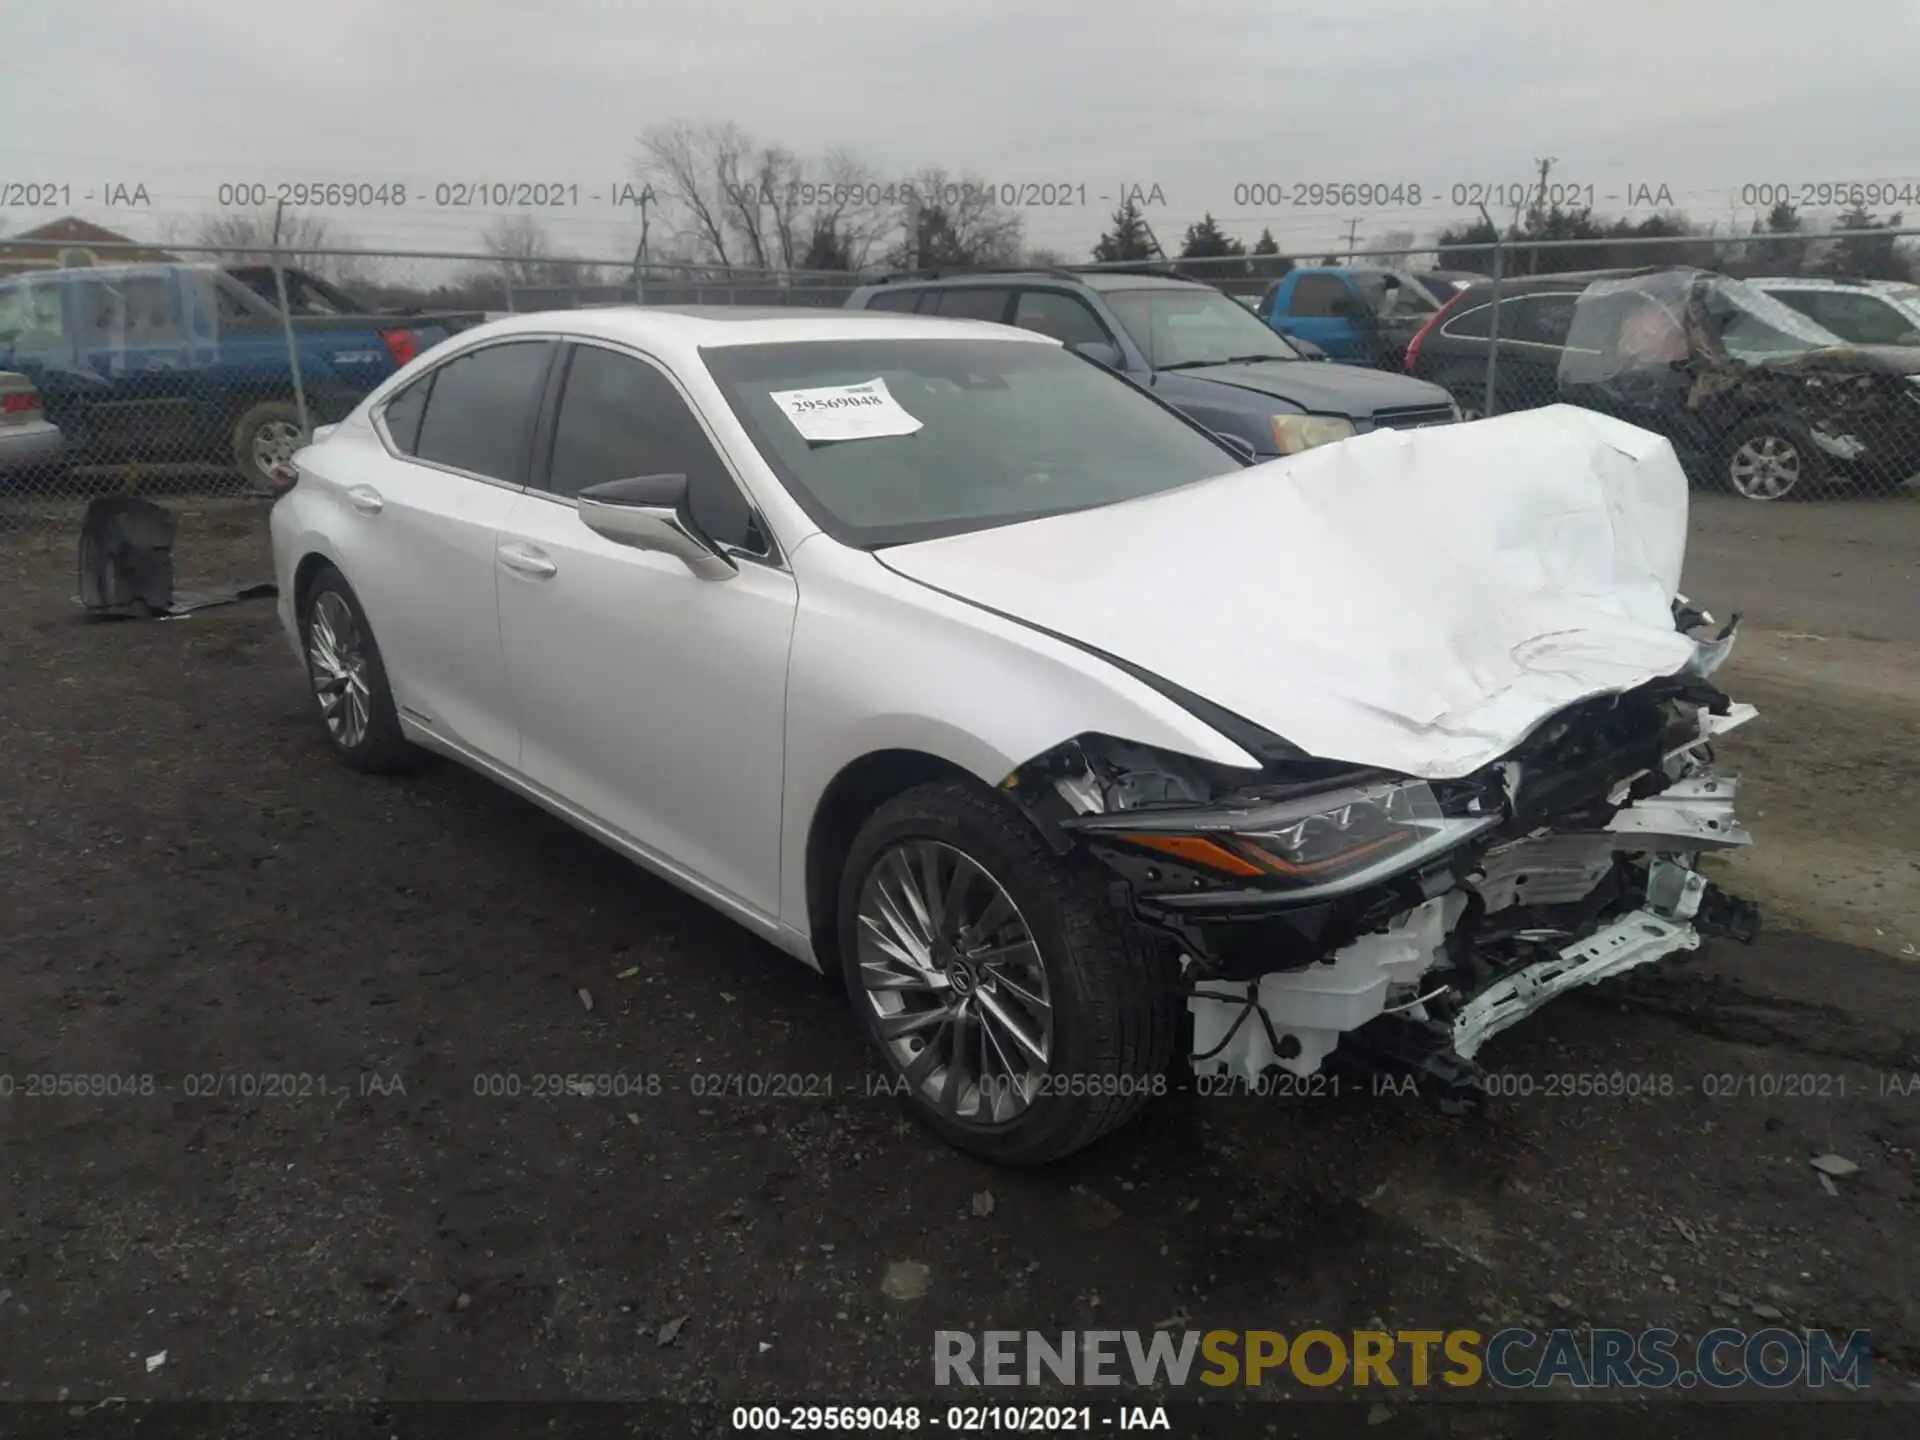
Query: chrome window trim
[377, 416]
[1448, 332]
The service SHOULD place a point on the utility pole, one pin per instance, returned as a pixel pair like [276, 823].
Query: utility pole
[1537, 211]
[1353, 230]
[640, 254]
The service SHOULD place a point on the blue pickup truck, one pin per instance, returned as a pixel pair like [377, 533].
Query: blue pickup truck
[188, 364]
[1358, 315]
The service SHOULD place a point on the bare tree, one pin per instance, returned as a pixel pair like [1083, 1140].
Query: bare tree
[525, 254]
[247, 237]
[521, 249]
[737, 201]
[698, 171]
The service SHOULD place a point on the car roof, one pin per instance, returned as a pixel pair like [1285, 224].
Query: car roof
[1831, 282]
[1099, 280]
[685, 329]
[1526, 284]
[109, 272]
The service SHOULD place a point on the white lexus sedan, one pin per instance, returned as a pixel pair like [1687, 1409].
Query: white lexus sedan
[953, 663]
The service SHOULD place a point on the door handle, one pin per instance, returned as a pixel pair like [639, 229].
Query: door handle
[527, 560]
[365, 499]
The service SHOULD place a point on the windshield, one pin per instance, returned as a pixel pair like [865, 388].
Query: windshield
[1751, 326]
[1000, 431]
[1177, 327]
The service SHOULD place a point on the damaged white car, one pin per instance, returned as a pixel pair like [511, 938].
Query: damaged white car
[948, 661]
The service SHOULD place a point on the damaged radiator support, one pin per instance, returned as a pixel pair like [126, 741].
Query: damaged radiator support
[1538, 916]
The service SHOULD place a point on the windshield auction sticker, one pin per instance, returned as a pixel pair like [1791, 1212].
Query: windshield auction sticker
[846, 412]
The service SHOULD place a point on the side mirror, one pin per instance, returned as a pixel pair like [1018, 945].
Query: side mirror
[650, 512]
[1243, 448]
[1100, 350]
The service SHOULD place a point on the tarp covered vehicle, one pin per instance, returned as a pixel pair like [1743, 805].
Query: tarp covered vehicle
[1752, 394]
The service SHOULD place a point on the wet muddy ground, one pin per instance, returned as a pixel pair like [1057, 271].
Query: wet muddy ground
[192, 891]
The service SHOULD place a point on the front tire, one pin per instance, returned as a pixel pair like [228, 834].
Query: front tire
[1774, 457]
[349, 681]
[1019, 1012]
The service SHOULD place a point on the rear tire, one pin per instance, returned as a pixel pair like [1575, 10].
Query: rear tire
[348, 680]
[268, 431]
[969, 978]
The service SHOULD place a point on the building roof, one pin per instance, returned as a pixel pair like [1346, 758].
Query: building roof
[40, 247]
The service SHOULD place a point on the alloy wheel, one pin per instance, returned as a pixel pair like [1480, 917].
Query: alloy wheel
[274, 444]
[959, 992]
[1767, 467]
[337, 661]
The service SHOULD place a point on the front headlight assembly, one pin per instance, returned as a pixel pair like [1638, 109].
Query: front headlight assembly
[1326, 843]
[1294, 433]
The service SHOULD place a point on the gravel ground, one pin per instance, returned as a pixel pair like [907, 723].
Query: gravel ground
[192, 890]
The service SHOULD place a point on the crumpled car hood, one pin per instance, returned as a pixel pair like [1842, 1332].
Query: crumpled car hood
[1314, 387]
[1415, 600]
[1852, 359]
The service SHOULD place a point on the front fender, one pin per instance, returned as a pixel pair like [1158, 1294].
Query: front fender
[883, 663]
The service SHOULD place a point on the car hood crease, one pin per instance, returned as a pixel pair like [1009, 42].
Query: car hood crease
[1414, 600]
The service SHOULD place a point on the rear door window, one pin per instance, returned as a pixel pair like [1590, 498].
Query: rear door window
[479, 417]
[1048, 312]
[1317, 296]
[894, 300]
[1538, 319]
[970, 302]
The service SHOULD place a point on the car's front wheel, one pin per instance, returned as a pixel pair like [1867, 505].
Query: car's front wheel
[1772, 458]
[348, 678]
[1017, 1010]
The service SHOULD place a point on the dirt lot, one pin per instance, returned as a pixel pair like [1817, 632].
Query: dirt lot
[190, 888]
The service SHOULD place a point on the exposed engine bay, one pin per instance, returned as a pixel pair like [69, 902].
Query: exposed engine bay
[1329, 916]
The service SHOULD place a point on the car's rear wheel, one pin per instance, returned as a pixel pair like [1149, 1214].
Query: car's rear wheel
[265, 438]
[1017, 1011]
[1774, 457]
[349, 680]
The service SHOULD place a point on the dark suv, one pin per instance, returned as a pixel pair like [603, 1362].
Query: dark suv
[1752, 395]
[1192, 346]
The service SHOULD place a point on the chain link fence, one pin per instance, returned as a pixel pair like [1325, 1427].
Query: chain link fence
[1773, 365]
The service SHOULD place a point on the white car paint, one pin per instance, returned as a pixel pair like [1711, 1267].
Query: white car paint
[571, 692]
[1418, 601]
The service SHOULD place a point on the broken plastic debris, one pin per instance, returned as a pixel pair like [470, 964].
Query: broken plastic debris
[1826, 1184]
[156, 1360]
[1837, 1166]
[670, 1331]
[905, 1280]
[628, 973]
[983, 1202]
[585, 998]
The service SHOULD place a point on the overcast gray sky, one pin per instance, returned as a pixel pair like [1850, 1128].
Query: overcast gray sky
[1702, 96]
